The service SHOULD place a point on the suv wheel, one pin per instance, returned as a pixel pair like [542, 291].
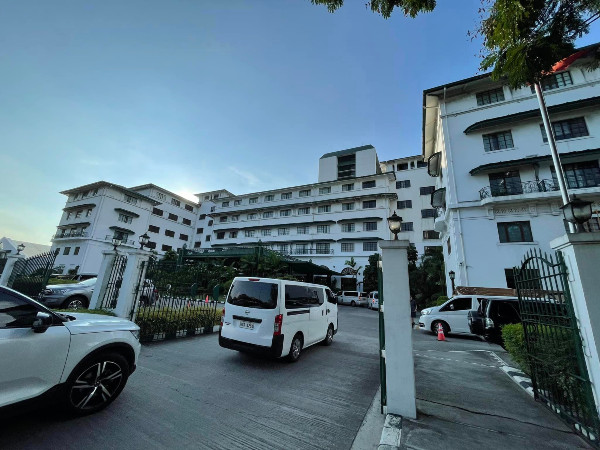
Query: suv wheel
[353, 303]
[329, 337]
[295, 349]
[95, 383]
[76, 302]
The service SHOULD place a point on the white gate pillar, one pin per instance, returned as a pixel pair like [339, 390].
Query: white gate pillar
[8, 268]
[131, 276]
[399, 363]
[581, 252]
[108, 260]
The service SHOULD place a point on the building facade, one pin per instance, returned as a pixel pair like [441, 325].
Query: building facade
[496, 188]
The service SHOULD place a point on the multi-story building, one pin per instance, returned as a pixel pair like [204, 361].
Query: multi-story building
[414, 187]
[496, 186]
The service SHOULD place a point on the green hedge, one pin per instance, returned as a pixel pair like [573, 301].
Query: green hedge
[514, 342]
[87, 311]
[171, 321]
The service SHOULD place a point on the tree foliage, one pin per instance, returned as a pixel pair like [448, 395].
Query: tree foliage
[427, 280]
[409, 8]
[370, 282]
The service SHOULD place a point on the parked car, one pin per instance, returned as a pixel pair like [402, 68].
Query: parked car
[353, 298]
[373, 300]
[492, 315]
[81, 360]
[149, 295]
[79, 277]
[277, 317]
[453, 314]
[68, 296]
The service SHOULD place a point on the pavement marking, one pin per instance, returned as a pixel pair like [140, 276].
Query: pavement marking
[456, 360]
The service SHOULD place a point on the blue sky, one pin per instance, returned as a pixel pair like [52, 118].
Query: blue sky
[196, 95]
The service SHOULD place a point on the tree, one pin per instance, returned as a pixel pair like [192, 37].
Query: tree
[170, 255]
[352, 264]
[370, 281]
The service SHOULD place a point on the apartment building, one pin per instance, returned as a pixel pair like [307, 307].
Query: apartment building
[341, 216]
[414, 187]
[496, 188]
[96, 213]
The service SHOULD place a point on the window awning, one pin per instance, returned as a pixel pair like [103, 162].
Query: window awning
[78, 224]
[532, 160]
[368, 238]
[84, 206]
[358, 219]
[126, 211]
[122, 230]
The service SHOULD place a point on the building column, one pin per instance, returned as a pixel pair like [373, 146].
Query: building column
[581, 252]
[106, 266]
[128, 291]
[400, 369]
[8, 268]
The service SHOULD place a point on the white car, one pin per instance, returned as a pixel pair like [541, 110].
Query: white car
[81, 360]
[373, 300]
[353, 298]
[453, 314]
[277, 317]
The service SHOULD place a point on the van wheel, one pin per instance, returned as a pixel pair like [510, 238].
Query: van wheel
[353, 303]
[445, 327]
[295, 348]
[329, 337]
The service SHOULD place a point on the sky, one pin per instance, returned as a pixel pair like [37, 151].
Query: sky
[198, 95]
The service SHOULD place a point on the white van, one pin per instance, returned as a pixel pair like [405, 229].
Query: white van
[353, 298]
[373, 300]
[277, 317]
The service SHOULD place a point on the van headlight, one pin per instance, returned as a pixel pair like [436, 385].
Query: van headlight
[136, 334]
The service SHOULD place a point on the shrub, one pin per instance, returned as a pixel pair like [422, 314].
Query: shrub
[514, 342]
[171, 321]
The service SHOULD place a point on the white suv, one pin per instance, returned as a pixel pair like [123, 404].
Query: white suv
[82, 360]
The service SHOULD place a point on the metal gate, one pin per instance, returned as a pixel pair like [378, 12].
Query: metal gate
[176, 298]
[111, 294]
[3, 260]
[554, 348]
[30, 275]
[382, 377]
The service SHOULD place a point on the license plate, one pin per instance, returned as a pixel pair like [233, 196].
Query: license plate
[247, 325]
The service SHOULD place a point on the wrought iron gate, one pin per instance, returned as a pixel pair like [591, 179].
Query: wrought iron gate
[382, 377]
[554, 348]
[30, 275]
[111, 294]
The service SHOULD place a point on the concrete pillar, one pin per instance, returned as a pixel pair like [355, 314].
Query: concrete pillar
[581, 252]
[108, 259]
[131, 275]
[8, 268]
[400, 369]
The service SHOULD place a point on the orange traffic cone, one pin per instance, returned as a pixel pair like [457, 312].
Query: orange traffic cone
[206, 301]
[441, 336]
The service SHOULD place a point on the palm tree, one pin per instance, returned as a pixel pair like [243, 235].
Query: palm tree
[355, 270]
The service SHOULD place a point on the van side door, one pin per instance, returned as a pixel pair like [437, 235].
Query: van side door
[297, 308]
[455, 313]
[318, 316]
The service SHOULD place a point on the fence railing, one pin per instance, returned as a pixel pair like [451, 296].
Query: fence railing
[70, 235]
[517, 188]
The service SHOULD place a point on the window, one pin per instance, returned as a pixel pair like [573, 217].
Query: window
[153, 229]
[301, 249]
[202, 216]
[210, 222]
[221, 235]
[302, 230]
[322, 248]
[369, 226]
[266, 232]
[121, 236]
[183, 237]
[347, 187]
[267, 214]
[515, 232]
[491, 96]
[430, 234]
[497, 141]
[282, 248]
[286, 195]
[402, 166]
[425, 213]
[249, 233]
[198, 230]
[78, 214]
[403, 204]
[215, 196]
[421, 164]
[368, 184]
[348, 228]
[304, 193]
[303, 211]
[367, 204]
[169, 233]
[173, 217]
[189, 207]
[224, 204]
[223, 219]
[124, 218]
[555, 81]
[166, 248]
[235, 218]
[347, 166]
[251, 216]
[67, 250]
[131, 200]
[212, 208]
[197, 244]
[68, 215]
[88, 213]
[325, 190]
[406, 226]
[175, 202]
[285, 212]
[207, 238]
[283, 231]
[151, 245]
[76, 251]
[16, 312]
[347, 206]
[459, 304]
[426, 190]
[186, 221]
[505, 183]
[567, 129]
[206, 197]
[402, 184]
[322, 229]
[237, 202]
[347, 247]
[269, 198]
[302, 296]
[580, 175]
[232, 234]
[324, 208]
[252, 200]
[369, 246]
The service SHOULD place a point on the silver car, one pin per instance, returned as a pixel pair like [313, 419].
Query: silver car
[68, 296]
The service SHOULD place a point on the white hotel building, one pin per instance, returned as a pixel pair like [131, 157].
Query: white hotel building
[497, 189]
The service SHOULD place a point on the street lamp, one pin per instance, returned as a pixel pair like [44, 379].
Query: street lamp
[578, 212]
[20, 248]
[395, 223]
[116, 242]
[452, 276]
[144, 239]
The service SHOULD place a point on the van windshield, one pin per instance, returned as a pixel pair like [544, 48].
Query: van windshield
[253, 294]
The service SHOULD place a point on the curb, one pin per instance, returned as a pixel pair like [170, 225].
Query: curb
[520, 378]
[391, 433]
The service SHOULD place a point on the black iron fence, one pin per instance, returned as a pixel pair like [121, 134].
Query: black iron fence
[514, 187]
[30, 275]
[554, 348]
[111, 294]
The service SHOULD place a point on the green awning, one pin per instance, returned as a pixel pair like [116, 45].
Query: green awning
[308, 268]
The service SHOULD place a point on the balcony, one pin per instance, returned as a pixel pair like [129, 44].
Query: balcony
[127, 242]
[518, 188]
[309, 251]
[72, 234]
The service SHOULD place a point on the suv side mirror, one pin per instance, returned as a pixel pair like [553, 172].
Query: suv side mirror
[42, 322]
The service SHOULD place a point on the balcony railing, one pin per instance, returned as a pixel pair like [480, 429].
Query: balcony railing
[130, 242]
[73, 234]
[518, 188]
[303, 251]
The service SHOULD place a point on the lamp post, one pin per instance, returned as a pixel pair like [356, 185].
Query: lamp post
[20, 248]
[395, 223]
[116, 242]
[144, 239]
[577, 212]
[452, 276]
